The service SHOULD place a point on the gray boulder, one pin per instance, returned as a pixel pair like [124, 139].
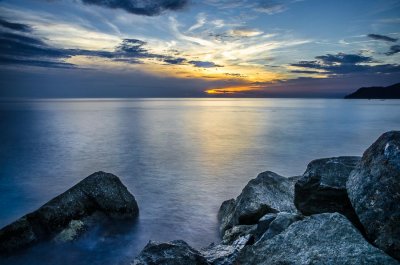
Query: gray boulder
[322, 188]
[327, 238]
[65, 217]
[268, 193]
[232, 234]
[263, 224]
[176, 252]
[374, 192]
[223, 254]
[282, 221]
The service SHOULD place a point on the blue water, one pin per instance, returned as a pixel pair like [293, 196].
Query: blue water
[180, 158]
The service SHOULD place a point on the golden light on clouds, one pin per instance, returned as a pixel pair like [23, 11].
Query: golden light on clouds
[232, 90]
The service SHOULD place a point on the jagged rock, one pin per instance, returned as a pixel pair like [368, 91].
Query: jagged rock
[322, 188]
[223, 254]
[263, 224]
[268, 193]
[282, 221]
[225, 215]
[61, 217]
[237, 231]
[176, 252]
[374, 191]
[327, 238]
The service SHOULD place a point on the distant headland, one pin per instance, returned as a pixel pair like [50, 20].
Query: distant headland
[389, 92]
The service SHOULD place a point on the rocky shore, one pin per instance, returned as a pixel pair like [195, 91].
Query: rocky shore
[342, 210]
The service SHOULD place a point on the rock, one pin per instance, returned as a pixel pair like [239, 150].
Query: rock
[263, 224]
[71, 232]
[268, 193]
[176, 252]
[223, 254]
[322, 188]
[374, 192]
[327, 238]
[61, 218]
[282, 221]
[237, 231]
[225, 215]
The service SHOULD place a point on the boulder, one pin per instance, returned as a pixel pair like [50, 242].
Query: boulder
[374, 192]
[232, 234]
[282, 221]
[327, 238]
[322, 188]
[268, 193]
[263, 224]
[65, 216]
[223, 254]
[176, 252]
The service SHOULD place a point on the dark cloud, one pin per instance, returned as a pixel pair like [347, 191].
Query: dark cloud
[340, 64]
[140, 7]
[204, 64]
[132, 46]
[33, 62]
[175, 60]
[269, 7]
[20, 49]
[15, 26]
[382, 37]
[393, 50]
[25, 49]
[343, 58]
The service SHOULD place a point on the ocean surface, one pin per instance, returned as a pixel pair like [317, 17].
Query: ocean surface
[181, 158]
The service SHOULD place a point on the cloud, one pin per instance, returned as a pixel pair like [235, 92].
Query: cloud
[140, 7]
[16, 48]
[244, 32]
[342, 64]
[204, 64]
[27, 49]
[175, 60]
[382, 37]
[15, 26]
[343, 58]
[33, 62]
[393, 50]
[270, 7]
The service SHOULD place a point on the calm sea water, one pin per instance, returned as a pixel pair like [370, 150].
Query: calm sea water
[180, 158]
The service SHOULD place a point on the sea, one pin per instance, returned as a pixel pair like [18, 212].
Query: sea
[181, 158]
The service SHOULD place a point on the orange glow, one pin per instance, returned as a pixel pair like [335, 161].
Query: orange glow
[231, 90]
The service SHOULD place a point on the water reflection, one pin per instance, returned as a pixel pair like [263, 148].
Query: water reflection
[180, 157]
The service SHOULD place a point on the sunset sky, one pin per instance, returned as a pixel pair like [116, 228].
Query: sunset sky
[179, 48]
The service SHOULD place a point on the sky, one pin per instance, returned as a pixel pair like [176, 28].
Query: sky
[193, 48]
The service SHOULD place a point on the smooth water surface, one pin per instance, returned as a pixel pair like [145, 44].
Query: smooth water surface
[180, 158]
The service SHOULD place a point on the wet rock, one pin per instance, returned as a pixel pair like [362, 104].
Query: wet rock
[225, 215]
[268, 193]
[64, 217]
[327, 238]
[322, 188]
[279, 224]
[263, 224]
[237, 231]
[374, 192]
[223, 254]
[176, 252]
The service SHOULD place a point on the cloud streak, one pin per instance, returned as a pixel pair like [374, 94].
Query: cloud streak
[393, 50]
[343, 64]
[140, 7]
[382, 37]
[15, 26]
